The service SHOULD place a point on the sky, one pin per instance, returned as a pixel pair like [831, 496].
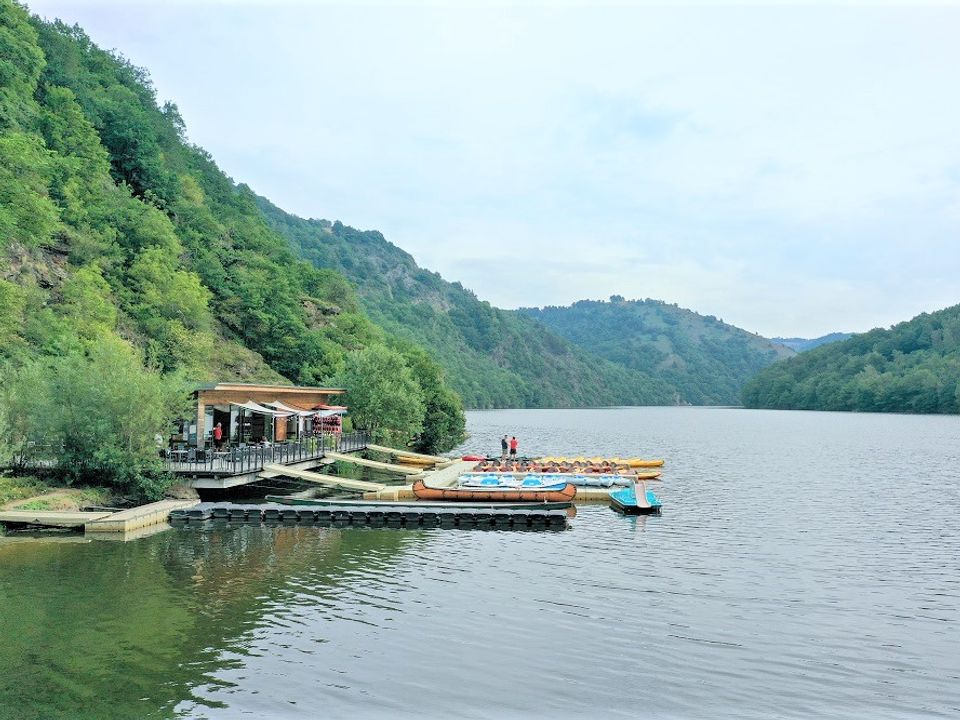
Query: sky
[793, 169]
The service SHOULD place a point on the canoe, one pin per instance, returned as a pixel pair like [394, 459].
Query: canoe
[422, 504]
[420, 462]
[496, 493]
[625, 501]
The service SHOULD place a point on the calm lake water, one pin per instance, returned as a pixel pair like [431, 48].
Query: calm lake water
[805, 565]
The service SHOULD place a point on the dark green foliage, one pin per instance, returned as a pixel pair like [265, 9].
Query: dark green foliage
[114, 232]
[912, 367]
[703, 359]
[492, 357]
[96, 414]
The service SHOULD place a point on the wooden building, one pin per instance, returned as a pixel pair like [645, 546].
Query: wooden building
[254, 413]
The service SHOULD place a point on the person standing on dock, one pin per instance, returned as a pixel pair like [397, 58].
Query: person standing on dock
[503, 448]
[513, 446]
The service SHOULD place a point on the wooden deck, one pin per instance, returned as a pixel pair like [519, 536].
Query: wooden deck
[139, 517]
[51, 518]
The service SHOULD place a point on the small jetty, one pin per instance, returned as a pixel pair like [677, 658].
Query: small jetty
[51, 518]
[123, 521]
[386, 514]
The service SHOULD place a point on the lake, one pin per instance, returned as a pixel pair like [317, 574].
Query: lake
[805, 565]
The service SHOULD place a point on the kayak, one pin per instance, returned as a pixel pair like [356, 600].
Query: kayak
[496, 493]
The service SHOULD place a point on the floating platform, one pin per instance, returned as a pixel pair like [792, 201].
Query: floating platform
[422, 504]
[126, 521]
[375, 515]
[51, 518]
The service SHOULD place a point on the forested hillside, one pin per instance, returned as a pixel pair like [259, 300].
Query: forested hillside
[115, 232]
[703, 359]
[493, 357]
[912, 367]
[804, 344]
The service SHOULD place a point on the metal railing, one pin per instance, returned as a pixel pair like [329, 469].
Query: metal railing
[238, 460]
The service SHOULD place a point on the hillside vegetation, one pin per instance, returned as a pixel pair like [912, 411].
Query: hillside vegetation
[116, 233]
[704, 360]
[493, 357]
[804, 344]
[912, 367]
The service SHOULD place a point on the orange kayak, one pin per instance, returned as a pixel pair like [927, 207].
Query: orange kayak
[498, 494]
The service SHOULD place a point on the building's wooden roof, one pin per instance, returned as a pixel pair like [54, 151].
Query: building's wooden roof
[274, 389]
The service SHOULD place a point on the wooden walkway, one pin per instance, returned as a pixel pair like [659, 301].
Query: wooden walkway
[51, 518]
[123, 521]
[373, 464]
[139, 517]
[330, 481]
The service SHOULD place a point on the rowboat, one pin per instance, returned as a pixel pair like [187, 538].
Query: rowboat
[422, 504]
[636, 500]
[564, 492]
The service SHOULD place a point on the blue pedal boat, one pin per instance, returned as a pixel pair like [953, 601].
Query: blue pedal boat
[624, 500]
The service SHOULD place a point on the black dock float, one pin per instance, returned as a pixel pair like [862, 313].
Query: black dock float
[385, 514]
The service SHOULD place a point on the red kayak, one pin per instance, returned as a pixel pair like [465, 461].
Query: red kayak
[498, 494]
[473, 458]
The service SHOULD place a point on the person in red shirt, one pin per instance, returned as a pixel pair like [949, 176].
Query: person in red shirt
[218, 436]
[513, 446]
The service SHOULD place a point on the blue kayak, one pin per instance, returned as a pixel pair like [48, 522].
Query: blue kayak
[625, 500]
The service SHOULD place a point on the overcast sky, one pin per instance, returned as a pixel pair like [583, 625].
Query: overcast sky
[794, 170]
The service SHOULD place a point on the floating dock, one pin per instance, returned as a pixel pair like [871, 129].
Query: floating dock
[51, 518]
[136, 518]
[376, 515]
[124, 521]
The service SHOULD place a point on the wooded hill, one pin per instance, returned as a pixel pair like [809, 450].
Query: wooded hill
[704, 360]
[804, 344]
[911, 367]
[114, 228]
[493, 357]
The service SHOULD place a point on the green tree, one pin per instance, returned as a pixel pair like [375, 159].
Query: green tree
[97, 413]
[383, 396]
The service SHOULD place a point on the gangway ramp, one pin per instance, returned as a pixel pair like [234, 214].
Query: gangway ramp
[330, 481]
[374, 465]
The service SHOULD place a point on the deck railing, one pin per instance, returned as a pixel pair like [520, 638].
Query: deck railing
[238, 460]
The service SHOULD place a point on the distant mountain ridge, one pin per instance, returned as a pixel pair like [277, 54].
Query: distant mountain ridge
[913, 366]
[492, 357]
[804, 344]
[705, 360]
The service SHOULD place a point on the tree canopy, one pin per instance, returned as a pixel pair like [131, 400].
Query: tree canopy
[911, 367]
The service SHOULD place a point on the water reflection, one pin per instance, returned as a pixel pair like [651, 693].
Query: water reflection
[129, 630]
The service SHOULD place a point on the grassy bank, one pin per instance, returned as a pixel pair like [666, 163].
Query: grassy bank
[31, 493]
